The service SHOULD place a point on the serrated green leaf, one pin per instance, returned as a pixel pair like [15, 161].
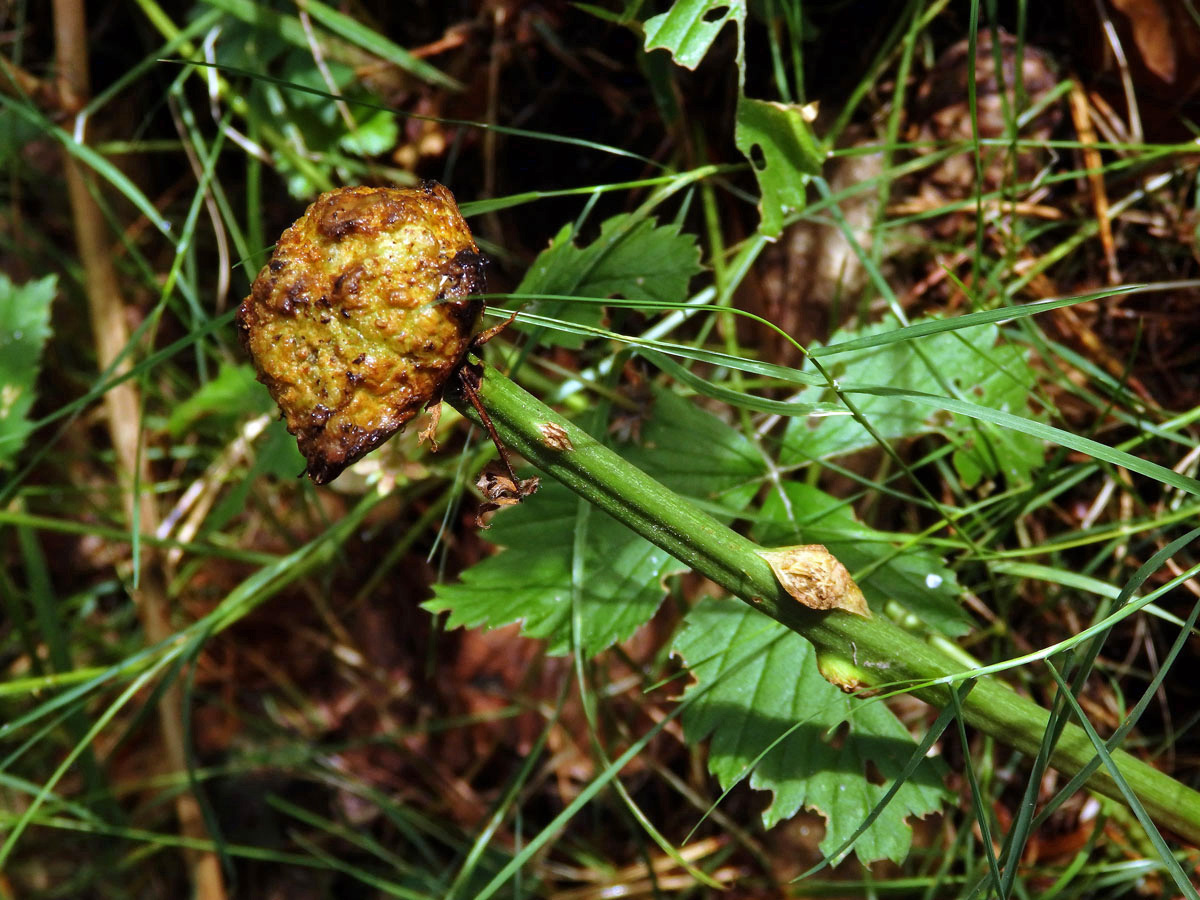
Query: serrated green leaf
[531, 582]
[916, 579]
[759, 695]
[689, 27]
[990, 375]
[697, 455]
[633, 257]
[24, 330]
[984, 449]
[783, 153]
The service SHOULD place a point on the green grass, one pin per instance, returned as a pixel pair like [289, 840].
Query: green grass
[203, 653]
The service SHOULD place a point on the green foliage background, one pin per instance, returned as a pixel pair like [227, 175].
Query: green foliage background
[987, 484]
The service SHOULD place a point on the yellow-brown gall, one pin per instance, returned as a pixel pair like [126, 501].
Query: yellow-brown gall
[364, 310]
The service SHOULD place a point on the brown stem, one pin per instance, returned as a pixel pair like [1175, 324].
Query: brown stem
[465, 378]
[106, 309]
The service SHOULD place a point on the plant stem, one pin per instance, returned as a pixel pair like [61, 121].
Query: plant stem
[875, 650]
[123, 406]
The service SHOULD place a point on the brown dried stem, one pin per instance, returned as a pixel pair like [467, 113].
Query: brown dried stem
[106, 309]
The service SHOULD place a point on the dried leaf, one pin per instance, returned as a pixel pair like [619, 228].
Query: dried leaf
[812, 575]
[1152, 32]
[499, 489]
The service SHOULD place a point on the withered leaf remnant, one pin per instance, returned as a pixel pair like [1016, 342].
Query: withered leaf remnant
[815, 577]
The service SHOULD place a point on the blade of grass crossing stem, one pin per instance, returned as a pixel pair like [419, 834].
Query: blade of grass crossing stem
[932, 734]
[1182, 882]
[1104, 624]
[1185, 631]
[972, 410]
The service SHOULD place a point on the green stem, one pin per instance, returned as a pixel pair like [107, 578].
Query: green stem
[872, 651]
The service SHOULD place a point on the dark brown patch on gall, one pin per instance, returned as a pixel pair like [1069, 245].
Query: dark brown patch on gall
[346, 285]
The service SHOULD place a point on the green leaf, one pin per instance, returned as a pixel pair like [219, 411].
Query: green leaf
[783, 152]
[758, 693]
[233, 394]
[634, 257]
[373, 135]
[372, 41]
[916, 579]
[987, 374]
[621, 574]
[638, 259]
[689, 27]
[531, 581]
[290, 29]
[985, 449]
[15, 133]
[774, 137]
[320, 136]
[24, 330]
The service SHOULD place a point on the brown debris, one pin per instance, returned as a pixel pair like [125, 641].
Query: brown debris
[500, 488]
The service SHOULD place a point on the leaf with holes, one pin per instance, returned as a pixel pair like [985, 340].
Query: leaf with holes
[689, 27]
[784, 153]
[772, 716]
[775, 137]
